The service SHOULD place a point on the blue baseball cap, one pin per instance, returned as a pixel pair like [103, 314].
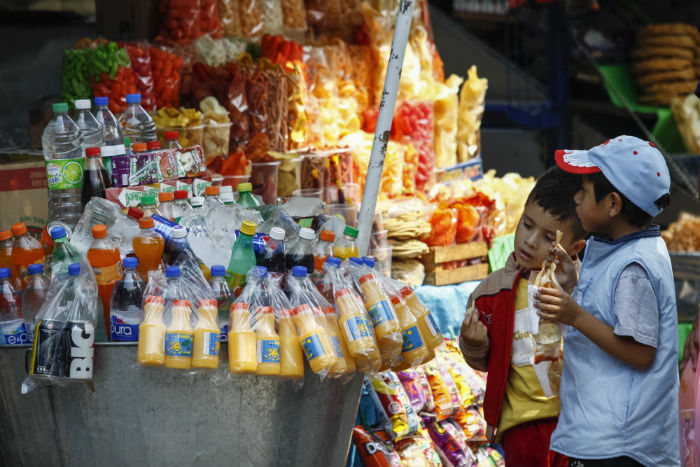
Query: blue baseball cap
[633, 166]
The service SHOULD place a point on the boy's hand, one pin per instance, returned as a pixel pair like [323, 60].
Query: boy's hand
[473, 332]
[566, 269]
[557, 305]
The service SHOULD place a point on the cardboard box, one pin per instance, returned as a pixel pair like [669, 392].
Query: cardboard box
[24, 195]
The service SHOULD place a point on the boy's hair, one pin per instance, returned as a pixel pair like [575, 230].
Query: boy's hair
[632, 213]
[554, 192]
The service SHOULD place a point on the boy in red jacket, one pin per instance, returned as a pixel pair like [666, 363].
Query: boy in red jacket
[497, 339]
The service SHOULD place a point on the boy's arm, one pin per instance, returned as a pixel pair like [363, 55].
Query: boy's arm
[474, 340]
[558, 305]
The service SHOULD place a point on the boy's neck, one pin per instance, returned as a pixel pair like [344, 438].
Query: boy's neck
[619, 228]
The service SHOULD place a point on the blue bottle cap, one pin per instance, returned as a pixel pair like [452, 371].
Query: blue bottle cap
[260, 272]
[172, 271]
[369, 261]
[74, 269]
[35, 268]
[334, 261]
[4, 273]
[58, 232]
[357, 261]
[130, 262]
[101, 100]
[218, 271]
[133, 98]
[299, 271]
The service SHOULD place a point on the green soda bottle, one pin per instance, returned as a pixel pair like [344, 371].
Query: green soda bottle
[242, 257]
[245, 196]
[64, 254]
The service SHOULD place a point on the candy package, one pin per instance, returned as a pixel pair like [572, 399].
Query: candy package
[399, 418]
[450, 442]
[486, 456]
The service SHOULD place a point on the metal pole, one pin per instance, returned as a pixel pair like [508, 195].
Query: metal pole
[381, 133]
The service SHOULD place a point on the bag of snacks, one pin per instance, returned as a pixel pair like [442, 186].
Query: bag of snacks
[450, 442]
[140, 57]
[75, 79]
[180, 20]
[111, 75]
[166, 76]
[400, 420]
[373, 451]
[209, 18]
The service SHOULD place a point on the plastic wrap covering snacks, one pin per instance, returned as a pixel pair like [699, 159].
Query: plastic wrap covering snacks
[398, 417]
[167, 80]
[111, 75]
[471, 109]
[446, 106]
[141, 64]
[209, 18]
[242, 18]
[180, 20]
[373, 451]
[75, 79]
[450, 442]
[392, 176]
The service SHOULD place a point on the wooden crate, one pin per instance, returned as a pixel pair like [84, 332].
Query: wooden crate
[435, 274]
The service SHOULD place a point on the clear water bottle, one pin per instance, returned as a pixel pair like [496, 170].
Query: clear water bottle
[93, 132]
[114, 138]
[34, 296]
[125, 306]
[12, 328]
[136, 123]
[63, 153]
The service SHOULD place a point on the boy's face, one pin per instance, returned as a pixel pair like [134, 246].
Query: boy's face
[593, 215]
[536, 233]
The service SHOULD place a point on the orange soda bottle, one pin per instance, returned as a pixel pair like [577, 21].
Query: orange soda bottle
[148, 247]
[242, 342]
[179, 336]
[106, 262]
[386, 326]
[6, 259]
[206, 336]
[152, 333]
[426, 323]
[314, 340]
[356, 330]
[291, 356]
[26, 250]
[414, 350]
[345, 363]
[268, 342]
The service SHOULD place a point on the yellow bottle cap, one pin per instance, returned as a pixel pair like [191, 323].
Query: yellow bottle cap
[248, 228]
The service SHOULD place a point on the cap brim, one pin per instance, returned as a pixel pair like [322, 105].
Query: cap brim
[575, 161]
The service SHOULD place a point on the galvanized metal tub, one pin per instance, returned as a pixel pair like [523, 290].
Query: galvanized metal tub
[155, 416]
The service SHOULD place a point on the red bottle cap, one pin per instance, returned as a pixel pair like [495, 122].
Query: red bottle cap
[146, 222]
[239, 306]
[395, 299]
[328, 310]
[19, 229]
[342, 292]
[99, 231]
[153, 145]
[366, 278]
[92, 152]
[406, 291]
[301, 309]
[181, 194]
[165, 196]
[5, 235]
[171, 135]
[154, 299]
[266, 310]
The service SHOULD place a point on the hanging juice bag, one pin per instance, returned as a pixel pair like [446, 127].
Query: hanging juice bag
[414, 350]
[242, 339]
[152, 333]
[426, 322]
[178, 334]
[205, 353]
[291, 353]
[268, 341]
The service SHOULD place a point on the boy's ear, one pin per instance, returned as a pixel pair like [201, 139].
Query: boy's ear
[614, 204]
[576, 247]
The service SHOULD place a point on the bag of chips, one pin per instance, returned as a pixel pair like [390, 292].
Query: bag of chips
[399, 417]
[373, 452]
[450, 442]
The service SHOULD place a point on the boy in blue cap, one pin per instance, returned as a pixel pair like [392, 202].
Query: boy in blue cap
[619, 387]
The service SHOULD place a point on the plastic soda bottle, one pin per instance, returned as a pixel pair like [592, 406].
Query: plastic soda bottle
[148, 247]
[226, 198]
[345, 362]
[125, 313]
[12, 328]
[26, 250]
[211, 196]
[300, 254]
[6, 258]
[207, 335]
[95, 178]
[152, 333]
[63, 152]
[148, 205]
[224, 298]
[179, 334]
[314, 340]
[105, 260]
[386, 326]
[291, 356]
[178, 243]
[245, 196]
[172, 140]
[197, 202]
[113, 136]
[242, 341]
[64, 254]
[272, 256]
[429, 329]
[167, 207]
[414, 350]
[181, 205]
[268, 342]
[356, 330]
[242, 257]
[34, 296]
[136, 123]
[91, 130]
[345, 247]
[323, 249]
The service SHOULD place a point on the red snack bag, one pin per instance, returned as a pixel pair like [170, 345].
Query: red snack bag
[116, 89]
[140, 57]
[166, 77]
[372, 451]
[209, 18]
[468, 220]
[180, 20]
[443, 224]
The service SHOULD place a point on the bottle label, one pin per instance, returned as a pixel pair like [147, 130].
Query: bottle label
[80, 344]
[14, 332]
[380, 312]
[336, 346]
[122, 331]
[211, 344]
[45, 360]
[108, 274]
[312, 347]
[269, 351]
[178, 345]
[432, 324]
[65, 173]
[357, 328]
[411, 339]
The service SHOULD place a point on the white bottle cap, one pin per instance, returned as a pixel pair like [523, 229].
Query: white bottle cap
[226, 197]
[277, 233]
[306, 233]
[196, 201]
[82, 104]
[225, 189]
[179, 231]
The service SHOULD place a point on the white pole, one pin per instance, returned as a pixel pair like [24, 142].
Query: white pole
[381, 133]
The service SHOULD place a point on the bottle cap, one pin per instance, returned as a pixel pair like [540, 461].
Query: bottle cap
[82, 104]
[328, 310]
[130, 262]
[148, 200]
[74, 269]
[369, 261]
[135, 213]
[4, 273]
[171, 135]
[179, 231]
[225, 189]
[299, 271]
[350, 231]
[146, 222]
[334, 261]
[35, 268]
[172, 271]
[92, 152]
[366, 277]
[277, 233]
[197, 201]
[59, 107]
[153, 145]
[19, 228]
[102, 101]
[181, 194]
[211, 190]
[218, 271]
[342, 292]
[301, 309]
[327, 236]
[406, 291]
[396, 299]
[248, 228]
[306, 233]
[127, 141]
[266, 310]
[242, 187]
[260, 272]
[133, 98]
[139, 147]
[239, 306]
[226, 198]
[165, 196]
[58, 232]
[5, 235]
[357, 261]
[99, 231]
